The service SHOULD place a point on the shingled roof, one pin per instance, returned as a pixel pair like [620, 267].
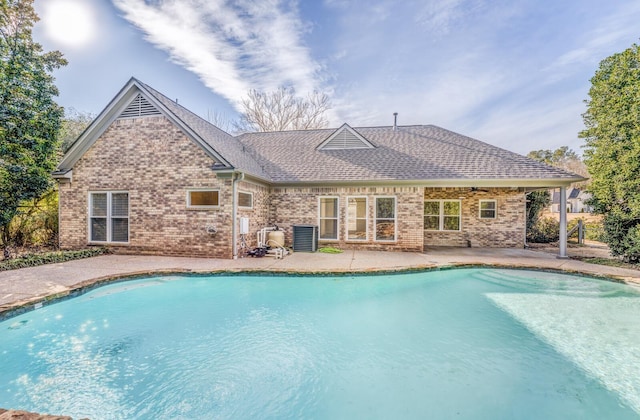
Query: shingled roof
[225, 144]
[422, 154]
[407, 153]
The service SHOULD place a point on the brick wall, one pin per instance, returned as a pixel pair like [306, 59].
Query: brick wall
[299, 205]
[156, 163]
[259, 215]
[506, 231]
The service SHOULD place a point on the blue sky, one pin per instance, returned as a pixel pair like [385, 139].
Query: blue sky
[513, 73]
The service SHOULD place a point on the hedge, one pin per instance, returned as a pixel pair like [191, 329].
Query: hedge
[32, 260]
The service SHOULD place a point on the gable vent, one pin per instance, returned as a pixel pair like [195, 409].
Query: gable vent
[345, 138]
[139, 107]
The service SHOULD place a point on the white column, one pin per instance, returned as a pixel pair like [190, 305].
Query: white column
[563, 223]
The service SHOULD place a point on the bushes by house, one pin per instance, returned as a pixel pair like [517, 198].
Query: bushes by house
[547, 230]
[35, 259]
[35, 225]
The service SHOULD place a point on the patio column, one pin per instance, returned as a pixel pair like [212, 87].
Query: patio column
[563, 223]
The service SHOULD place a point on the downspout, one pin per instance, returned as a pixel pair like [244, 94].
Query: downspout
[237, 176]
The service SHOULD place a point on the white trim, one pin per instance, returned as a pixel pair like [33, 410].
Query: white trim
[526, 184]
[191, 207]
[395, 219]
[366, 144]
[250, 193]
[495, 209]
[245, 207]
[337, 218]
[108, 217]
[441, 215]
[366, 218]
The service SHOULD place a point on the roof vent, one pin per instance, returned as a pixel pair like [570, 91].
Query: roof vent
[395, 121]
[345, 137]
[139, 107]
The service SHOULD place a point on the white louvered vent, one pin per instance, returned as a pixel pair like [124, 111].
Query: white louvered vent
[345, 138]
[139, 107]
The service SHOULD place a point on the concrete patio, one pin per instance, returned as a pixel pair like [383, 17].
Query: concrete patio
[30, 286]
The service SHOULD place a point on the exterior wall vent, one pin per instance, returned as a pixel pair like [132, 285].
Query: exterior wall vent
[345, 137]
[139, 107]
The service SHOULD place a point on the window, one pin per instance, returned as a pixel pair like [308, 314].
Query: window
[203, 199]
[488, 209]
[245, 200]
[328, 217]
[109, 217]
[442, 214]
[357, 218]
[385, 219]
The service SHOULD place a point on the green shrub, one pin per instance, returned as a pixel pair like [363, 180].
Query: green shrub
[594, 232]
[622, 234]
[544, 231]
[35, 224]
[32, 260]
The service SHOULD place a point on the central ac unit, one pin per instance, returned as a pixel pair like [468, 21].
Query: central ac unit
[305, 238]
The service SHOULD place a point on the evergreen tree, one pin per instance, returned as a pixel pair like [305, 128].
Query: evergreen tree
[29, 116]
[612, 151]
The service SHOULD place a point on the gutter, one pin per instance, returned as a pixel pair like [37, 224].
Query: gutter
[236, 176]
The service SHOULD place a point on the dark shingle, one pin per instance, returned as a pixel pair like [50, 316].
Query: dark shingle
[222, 142]
[408, 153]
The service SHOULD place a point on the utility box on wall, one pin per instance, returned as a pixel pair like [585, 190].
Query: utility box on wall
[305, 238]
[244, 226]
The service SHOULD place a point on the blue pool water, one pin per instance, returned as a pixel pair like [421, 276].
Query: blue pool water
[467, 343]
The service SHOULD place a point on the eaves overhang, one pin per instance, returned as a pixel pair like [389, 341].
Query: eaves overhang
[228, 173]
[526, 183]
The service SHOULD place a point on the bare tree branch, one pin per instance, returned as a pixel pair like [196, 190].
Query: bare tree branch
[282, 110]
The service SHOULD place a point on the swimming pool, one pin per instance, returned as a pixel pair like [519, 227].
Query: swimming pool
[464, 343]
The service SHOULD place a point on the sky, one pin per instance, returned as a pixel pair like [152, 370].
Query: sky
[512, 73]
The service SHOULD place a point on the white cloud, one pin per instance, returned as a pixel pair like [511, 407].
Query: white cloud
[232, 47]
[441, 15]
[597, 43]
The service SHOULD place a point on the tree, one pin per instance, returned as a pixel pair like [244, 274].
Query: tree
[612, 150]
[283, 110]
[72, 125]
[29, 117]
[554, 157]
[563, 158]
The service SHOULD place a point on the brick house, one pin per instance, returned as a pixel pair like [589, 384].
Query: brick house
[150, 177]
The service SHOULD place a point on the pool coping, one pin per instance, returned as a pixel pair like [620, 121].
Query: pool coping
[19, 307]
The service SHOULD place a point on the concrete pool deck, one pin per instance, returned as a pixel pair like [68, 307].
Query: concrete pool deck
[29, 286]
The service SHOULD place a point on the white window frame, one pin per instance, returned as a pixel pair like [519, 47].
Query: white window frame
[495, 209]
[366, 219]
[196, 207]
[395, 219]
[109, 217]
[320, 218]
[242, 192]
[441, 215]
